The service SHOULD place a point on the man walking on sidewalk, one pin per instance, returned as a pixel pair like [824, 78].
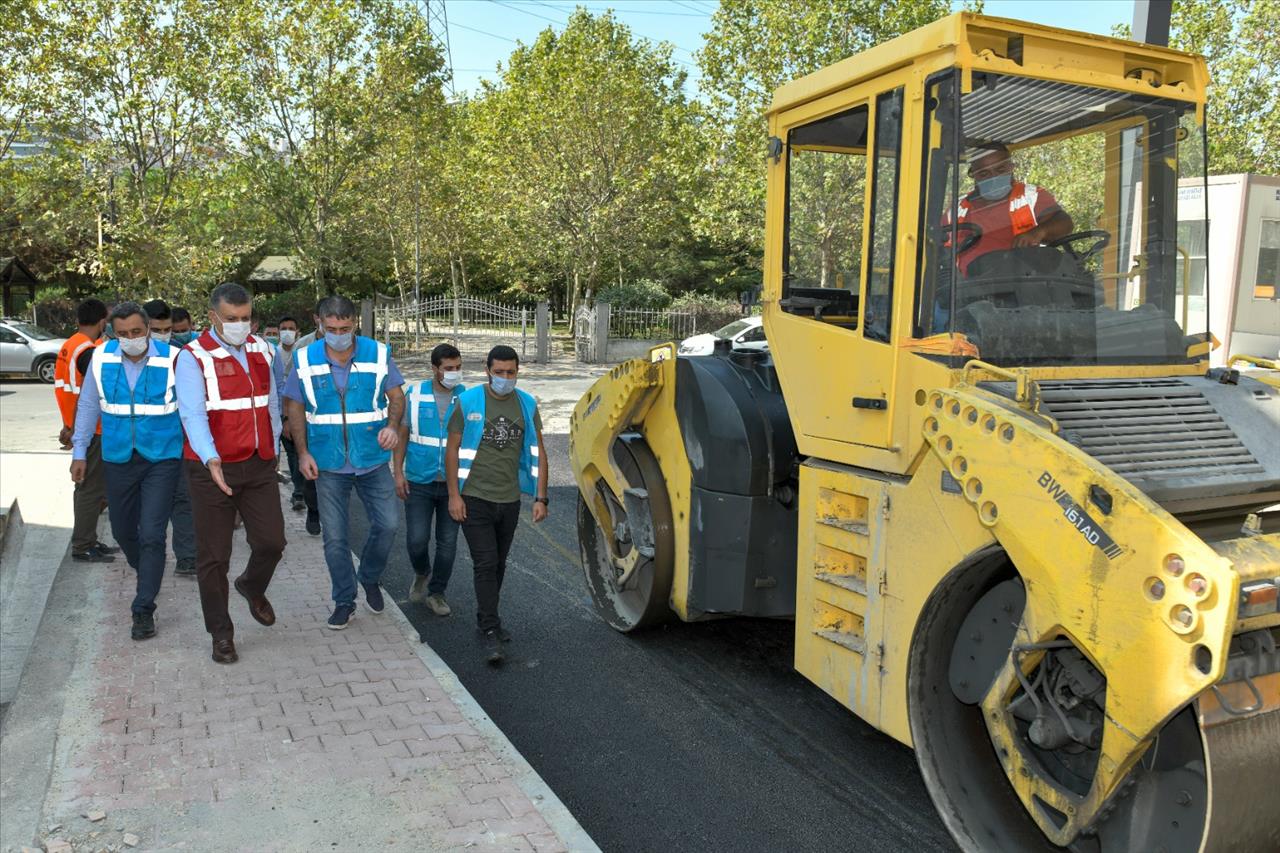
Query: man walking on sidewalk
[183, 537]
[309, 497]
[231, 412]
[344, 402]
[301, 498]
[130, 388]
[418, 466]
[69, 374]
[494, 454]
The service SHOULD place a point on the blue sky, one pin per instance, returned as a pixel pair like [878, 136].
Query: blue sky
[483, 32]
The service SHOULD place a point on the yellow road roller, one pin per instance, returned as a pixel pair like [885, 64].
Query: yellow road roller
[1021, 524]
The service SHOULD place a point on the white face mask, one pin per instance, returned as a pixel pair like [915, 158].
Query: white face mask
[235, 333]
[162, 337]
[288, 336]
[134, 346]
[450, 378]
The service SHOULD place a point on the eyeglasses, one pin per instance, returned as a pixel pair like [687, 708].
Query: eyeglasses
[1001, 168]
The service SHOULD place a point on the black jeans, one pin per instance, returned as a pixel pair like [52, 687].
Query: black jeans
[302, 487]
[428, 501]
[140, 493]
[489, 529]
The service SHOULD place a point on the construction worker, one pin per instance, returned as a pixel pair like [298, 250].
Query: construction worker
[90, 490]
[1005, 213]
[301, 497]
[345, 405]
[130, 391]
[183, 330]
[309, 498]
[418, 466]
[183, 538]
[494, 454]
[231, 413]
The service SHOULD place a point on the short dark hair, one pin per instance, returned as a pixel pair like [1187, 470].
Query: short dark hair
[443, 351]
[502, 352]
[125, 310]
[157, 309]
[91, 312]
[286, 319]
[336, 306]
[230, 293]
[181, 315]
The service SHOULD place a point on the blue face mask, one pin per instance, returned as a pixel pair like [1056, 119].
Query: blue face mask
[501, 385]
[995, 187]
[338, 342]
[182, 338]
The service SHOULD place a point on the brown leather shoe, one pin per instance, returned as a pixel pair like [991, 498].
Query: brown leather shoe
[224, 651]
[259, 607]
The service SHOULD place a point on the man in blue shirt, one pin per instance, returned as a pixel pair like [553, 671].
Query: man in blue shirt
[182, 537]
[344, 405]
[130, 386]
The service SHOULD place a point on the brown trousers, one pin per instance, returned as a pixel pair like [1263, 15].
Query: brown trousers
[89, 494]
[256, 496]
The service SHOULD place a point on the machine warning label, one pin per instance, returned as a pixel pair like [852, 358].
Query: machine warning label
[1081, 520]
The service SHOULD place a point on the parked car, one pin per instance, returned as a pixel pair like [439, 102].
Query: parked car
[747, 333]
[27, 348]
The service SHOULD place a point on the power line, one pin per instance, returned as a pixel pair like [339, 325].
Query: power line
[516, 8]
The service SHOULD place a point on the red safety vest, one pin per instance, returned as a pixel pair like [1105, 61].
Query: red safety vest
[1022, 208]
[235, 401]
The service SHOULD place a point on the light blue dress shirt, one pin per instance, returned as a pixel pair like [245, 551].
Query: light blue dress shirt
[89, 406]
[191, 400]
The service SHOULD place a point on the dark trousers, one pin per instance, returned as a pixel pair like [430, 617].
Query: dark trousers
[141, 496]
[87, 503]
[256, 496]
[428, 501]
[183, 536]
[489, 529]
[302, 487]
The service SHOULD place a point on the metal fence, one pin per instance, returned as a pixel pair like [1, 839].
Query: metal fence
[594, 326]
[584, 333]
[473, 325]
[650, 324]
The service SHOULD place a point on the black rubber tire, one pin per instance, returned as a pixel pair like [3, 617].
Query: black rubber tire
[45, 369]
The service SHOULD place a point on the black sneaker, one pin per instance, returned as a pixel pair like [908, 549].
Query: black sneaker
[144, 626]
[493, 647]
[92, 554]
[297, 503]
[503, 634]
[373, 597]
[105, 548]
[341, 617]
[186, 567]
[313, 522]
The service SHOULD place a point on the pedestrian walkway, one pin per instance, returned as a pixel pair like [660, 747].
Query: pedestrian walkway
[316, 740]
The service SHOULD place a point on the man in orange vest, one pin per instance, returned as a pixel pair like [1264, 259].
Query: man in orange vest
[69, 372]
[230, 409]
[1007, 213]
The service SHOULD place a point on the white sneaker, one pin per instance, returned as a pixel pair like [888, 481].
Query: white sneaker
[438, 605]
[418, 592]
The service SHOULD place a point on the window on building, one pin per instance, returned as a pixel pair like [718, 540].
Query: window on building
[1266, 284]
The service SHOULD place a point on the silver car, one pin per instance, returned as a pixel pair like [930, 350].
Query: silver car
[27, 348]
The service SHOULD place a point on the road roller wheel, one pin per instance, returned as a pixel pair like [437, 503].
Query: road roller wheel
[965, 635]
[642, 598]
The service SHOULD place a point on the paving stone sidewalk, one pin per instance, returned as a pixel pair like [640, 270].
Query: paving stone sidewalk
[359, 739]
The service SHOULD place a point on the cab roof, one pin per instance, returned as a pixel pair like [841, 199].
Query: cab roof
[969, 40]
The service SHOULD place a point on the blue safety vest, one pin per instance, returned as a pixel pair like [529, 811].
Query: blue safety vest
[424, 457]
[473, 420]
[342, 427]
[142, 418]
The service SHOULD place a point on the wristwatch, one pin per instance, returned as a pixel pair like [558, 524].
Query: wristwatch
[542, 501]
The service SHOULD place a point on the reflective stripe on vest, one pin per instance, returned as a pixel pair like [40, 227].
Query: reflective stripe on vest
[143, 418]
[473, 404]
[344, 427]
[236, 401]
[1022, 208]
[428, 435]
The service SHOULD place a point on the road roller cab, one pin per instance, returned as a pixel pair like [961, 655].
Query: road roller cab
[1019, 523]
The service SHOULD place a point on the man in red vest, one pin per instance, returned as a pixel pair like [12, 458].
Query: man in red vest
[1008, 213]
[230, 410]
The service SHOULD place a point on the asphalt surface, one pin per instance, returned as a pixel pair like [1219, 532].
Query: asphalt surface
[683, 737]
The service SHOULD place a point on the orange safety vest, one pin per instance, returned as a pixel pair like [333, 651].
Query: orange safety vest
[67, 379]
[1022, 207]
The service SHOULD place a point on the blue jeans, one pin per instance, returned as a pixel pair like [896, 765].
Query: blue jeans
[184, 535]
[140, 494]
[427, 500]
[377, 491]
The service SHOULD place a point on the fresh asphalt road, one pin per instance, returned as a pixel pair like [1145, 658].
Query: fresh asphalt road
[684, 737]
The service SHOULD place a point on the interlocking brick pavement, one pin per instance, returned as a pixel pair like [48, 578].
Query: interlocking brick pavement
[316, 739]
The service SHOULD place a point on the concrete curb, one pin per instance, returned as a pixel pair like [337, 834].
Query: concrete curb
[554, 812]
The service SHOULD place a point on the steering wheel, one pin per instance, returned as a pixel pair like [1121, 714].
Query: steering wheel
[942, 233]
[1103, 240]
